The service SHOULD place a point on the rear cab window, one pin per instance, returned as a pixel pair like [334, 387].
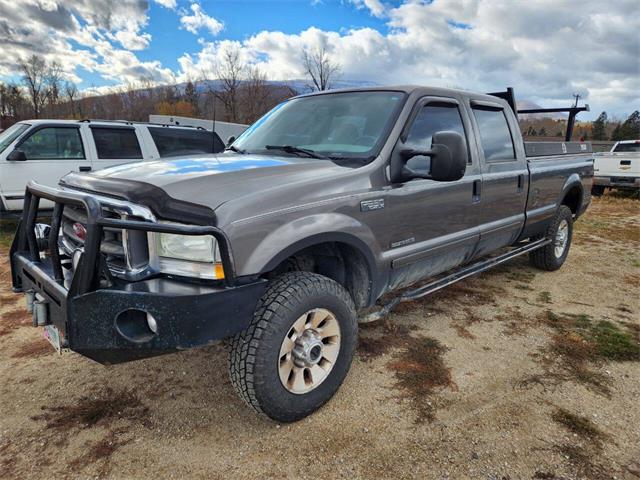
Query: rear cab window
[628, 147]
[182, 141]
[116, 143]
[53, 143]
[495, 135]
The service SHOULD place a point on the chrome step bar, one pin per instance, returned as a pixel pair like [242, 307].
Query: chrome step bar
[452, 278]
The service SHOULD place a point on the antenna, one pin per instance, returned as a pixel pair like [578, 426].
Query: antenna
[213, 137]
[577, 96]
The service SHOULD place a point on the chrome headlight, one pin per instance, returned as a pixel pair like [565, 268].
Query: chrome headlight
[187, 255]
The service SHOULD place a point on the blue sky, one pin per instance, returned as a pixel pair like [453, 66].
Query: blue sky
[547, 49]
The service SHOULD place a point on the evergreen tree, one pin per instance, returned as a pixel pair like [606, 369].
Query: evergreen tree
[615, 135]
[191, 95]
[630, 129]
[599, 129]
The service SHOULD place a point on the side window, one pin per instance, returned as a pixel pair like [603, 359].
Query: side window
[53, 143]
[432, 118]
[116, 143]
[495, 135]
[180, 141]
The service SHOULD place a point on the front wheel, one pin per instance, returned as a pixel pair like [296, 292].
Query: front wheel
[560, 231]
[298, 348]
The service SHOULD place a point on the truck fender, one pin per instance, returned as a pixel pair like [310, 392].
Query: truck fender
[313, 230]
[573, 181]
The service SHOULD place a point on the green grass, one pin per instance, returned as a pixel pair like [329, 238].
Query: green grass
[7, 230]
[613, 343]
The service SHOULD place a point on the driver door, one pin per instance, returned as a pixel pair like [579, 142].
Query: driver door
[432, 226]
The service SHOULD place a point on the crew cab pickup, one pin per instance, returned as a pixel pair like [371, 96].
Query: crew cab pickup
[619, 168]
[282, 243]
[46, 150]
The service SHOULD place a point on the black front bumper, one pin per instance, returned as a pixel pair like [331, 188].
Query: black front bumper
[108, 323]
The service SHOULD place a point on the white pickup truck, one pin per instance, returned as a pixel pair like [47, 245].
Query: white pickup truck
[619, 168]
[46, 150]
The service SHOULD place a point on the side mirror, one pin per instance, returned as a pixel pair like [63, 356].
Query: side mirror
[448, 154]
[230, 140]
[16, 156]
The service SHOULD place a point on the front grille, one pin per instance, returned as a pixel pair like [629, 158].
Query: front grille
[124, 251]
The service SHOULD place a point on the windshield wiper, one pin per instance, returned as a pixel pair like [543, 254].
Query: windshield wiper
[234, 149]
[296, 150]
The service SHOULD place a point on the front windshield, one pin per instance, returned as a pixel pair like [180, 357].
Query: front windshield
[10, 134]
[337, 125]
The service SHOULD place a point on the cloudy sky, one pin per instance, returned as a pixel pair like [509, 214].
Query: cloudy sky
[546, 49]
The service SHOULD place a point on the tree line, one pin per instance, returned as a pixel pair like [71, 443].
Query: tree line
[240, 93]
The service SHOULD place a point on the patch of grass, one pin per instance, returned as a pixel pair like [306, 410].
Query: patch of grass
[417, 364]
[544, 297]
[578, 424]
[7, 231]
[613, 343]
[105, 407]
[419, 371]
[100, 453]
[578, 344]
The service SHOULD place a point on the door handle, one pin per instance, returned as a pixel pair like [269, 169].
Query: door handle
[85, 168]
[477, 191]
[520, 183]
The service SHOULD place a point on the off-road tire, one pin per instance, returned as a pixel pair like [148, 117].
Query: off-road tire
[254, 353]
[545, 258]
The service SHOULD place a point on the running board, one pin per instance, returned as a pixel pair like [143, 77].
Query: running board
[454, 277]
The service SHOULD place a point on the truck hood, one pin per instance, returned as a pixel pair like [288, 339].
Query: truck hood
[208, 181]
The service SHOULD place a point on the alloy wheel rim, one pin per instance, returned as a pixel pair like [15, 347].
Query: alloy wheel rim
[309, 351]
[562, 237]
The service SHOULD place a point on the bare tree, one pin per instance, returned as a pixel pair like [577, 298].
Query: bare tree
[255, 95]
[34, 71]
[71, 92]
[319, 67]
[53, 85]
[230, 71]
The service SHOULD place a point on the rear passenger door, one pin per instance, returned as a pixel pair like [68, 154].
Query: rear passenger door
[115, 145]
[51, 152]
[505, 177]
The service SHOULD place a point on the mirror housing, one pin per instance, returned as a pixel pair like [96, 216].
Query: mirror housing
[230, 140]
[448, 154]
[17, 156]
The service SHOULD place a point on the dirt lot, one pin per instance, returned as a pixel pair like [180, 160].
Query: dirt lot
[511, 375]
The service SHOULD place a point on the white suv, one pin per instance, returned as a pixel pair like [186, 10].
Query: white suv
[45, 150]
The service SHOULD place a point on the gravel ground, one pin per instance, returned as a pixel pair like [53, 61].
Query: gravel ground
[514, 374]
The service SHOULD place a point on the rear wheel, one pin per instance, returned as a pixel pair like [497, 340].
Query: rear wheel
[298, 349]
[560, 231]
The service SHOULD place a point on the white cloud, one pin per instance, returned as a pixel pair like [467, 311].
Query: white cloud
[546, 50]
[200, 20]
[376, 7]
[133, 40]
[171, 4]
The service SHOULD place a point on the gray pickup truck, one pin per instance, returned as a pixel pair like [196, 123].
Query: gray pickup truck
[288, 239]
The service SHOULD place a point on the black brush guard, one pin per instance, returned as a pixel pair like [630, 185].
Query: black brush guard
[87, 313]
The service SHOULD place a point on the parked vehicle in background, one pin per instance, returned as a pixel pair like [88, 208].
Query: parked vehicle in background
[225, 130]
[619, 168]
[45, 150]
[323, 206]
